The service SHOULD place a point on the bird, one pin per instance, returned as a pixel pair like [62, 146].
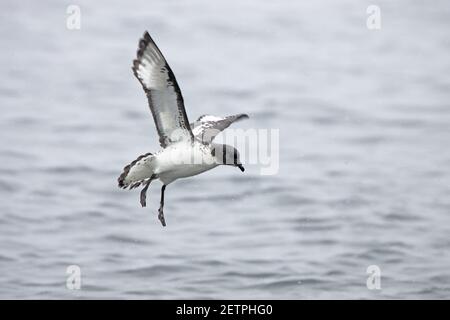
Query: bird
[187, 149]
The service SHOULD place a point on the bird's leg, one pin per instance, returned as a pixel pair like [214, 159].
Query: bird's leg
[161, 213]
[144, 193]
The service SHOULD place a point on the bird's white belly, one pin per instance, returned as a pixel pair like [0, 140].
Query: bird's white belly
[183, 160]
[178, 172]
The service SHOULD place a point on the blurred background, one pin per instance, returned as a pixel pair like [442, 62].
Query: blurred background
[364, 157]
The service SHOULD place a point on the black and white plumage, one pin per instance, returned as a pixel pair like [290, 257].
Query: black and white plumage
[163, 93]
[207, 127]
[187, 149]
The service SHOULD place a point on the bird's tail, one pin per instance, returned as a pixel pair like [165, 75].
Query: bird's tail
[138, 172]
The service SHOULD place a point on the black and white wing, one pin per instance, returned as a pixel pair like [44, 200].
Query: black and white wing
[163, 93]
[207, 127]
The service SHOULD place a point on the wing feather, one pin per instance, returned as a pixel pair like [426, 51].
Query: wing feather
[207, 127]
[163, 93]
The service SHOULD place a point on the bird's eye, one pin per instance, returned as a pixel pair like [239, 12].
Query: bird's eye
[213, 152]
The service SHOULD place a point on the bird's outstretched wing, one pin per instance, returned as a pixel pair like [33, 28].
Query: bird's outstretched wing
[207, 127]
[163, 93]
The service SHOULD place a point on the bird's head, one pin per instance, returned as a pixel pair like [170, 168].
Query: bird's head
[227, 155]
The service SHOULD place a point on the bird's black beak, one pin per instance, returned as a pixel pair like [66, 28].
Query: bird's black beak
[241, 167]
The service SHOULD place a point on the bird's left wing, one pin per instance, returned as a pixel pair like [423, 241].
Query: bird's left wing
[207, 127]
[163, 93]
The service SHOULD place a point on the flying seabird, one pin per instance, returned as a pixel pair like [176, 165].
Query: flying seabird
[187, 148]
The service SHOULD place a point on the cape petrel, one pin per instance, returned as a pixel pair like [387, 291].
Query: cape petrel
[187, 148]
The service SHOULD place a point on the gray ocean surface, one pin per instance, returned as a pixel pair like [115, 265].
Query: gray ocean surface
[364, 151]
